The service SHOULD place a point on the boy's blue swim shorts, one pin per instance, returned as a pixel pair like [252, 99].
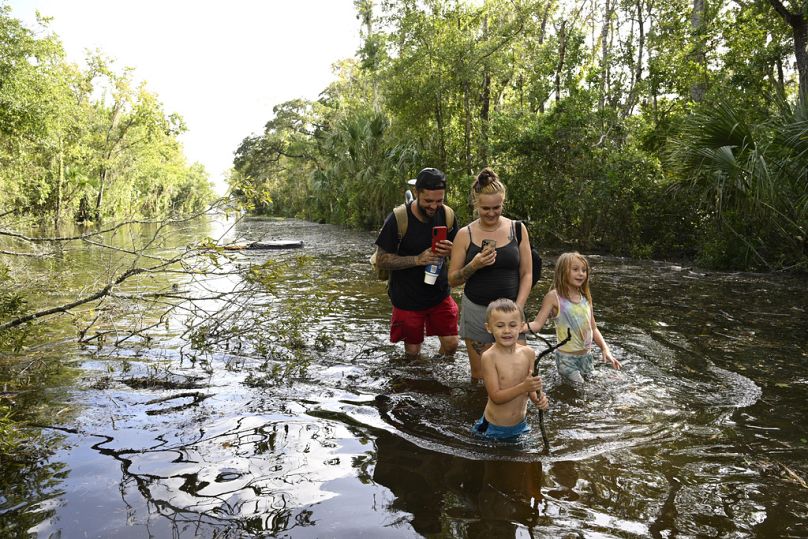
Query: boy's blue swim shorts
[485, 428]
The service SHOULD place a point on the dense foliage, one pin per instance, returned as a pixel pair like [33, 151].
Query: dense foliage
[602, 117]
[83, 143]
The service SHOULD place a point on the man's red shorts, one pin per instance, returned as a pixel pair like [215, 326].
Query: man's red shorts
[408, 326]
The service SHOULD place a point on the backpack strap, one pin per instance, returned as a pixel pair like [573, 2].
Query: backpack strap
[400, 213]
[402, 219]
[450, 216]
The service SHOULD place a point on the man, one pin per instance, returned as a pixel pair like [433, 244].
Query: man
[420, 308]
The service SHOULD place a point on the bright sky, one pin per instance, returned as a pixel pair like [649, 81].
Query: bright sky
[221, 65]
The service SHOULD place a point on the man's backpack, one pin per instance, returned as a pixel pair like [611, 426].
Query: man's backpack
[400, 214]
[534, 254]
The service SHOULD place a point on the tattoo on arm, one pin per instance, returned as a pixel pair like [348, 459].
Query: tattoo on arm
[464, 273]
[392, 262]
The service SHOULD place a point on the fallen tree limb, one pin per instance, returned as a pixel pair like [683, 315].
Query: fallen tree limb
[81, 301]
[34, 255]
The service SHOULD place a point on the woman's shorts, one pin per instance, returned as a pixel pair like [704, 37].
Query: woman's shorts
[485, 428]
[472, 322]
[575, 368]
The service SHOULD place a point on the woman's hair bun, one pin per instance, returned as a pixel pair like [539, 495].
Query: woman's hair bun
[486, 177]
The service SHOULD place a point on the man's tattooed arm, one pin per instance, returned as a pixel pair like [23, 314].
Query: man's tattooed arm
[392, 262]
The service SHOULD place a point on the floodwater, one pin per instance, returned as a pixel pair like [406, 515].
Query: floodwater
[701, 434]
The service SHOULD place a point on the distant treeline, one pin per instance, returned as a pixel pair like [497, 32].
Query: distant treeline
[637, 127]
[81, 144]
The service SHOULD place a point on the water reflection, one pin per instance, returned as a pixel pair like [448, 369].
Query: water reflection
[251, 475]
[483, 498]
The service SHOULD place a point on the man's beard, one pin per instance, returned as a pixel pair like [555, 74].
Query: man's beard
[426, 211]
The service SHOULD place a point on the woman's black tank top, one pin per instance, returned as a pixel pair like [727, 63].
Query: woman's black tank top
[493, 282]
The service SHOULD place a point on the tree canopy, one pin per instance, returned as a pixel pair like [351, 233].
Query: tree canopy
[84, 143]
[594, 114]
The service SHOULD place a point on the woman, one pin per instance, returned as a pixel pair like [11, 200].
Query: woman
[502, 271]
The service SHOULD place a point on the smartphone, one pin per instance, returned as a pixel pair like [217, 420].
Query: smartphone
[438, 234]
[492, 244]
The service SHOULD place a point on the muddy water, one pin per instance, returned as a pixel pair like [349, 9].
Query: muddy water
[702, 434]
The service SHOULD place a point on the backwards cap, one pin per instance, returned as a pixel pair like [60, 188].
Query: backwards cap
[430, 178]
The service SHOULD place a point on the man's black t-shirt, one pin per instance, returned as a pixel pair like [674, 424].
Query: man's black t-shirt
[407, 288]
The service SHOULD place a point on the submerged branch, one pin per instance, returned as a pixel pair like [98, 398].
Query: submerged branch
[34, 255]
[67, 306]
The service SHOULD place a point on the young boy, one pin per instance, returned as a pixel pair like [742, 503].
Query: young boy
[507, 367]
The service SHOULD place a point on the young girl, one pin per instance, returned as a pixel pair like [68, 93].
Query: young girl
[569, 304]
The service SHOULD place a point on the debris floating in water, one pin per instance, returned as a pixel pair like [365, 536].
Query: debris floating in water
[274, 244]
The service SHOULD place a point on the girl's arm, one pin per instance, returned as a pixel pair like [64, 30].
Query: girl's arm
[549, 306]
[598, 338]
[498, 395]
[525, 269]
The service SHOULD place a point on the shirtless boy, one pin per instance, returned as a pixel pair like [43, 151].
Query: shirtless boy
[507, 367]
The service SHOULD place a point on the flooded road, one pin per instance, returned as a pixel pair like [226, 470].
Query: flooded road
[702, 434]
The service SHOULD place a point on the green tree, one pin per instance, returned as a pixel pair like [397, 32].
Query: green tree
[754, 179]
[84, 144]
[579, 106]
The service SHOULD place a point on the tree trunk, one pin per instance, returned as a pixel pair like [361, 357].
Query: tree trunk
[799, 29]
[60, 185]
[562, 49]
[801, 53]
[604, 56]
[698, 89]
[781, 79]
[485, 112]
[467, 127]
[542, 35]
[441, 134]
[641, 43]
[99, 199]
[636, 75]
[103, 173]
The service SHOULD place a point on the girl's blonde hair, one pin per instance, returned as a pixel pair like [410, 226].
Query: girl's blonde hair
[486, 183]
[561, 282]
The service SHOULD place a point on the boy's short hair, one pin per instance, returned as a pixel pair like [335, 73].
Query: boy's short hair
[503, 305]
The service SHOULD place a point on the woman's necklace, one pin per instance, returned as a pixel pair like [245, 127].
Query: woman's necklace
[480, 224]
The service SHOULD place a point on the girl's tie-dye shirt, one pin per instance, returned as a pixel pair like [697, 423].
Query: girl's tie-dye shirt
[576, 317]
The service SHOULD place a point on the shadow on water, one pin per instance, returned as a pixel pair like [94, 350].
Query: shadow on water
[701, 434]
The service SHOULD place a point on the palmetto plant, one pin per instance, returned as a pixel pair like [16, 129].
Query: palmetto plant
[752, 178]
[365, 166]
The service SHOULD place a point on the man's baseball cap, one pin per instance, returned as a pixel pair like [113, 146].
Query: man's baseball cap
[430, 178]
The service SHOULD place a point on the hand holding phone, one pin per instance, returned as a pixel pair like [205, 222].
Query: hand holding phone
[489, 245]
[438, 235]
